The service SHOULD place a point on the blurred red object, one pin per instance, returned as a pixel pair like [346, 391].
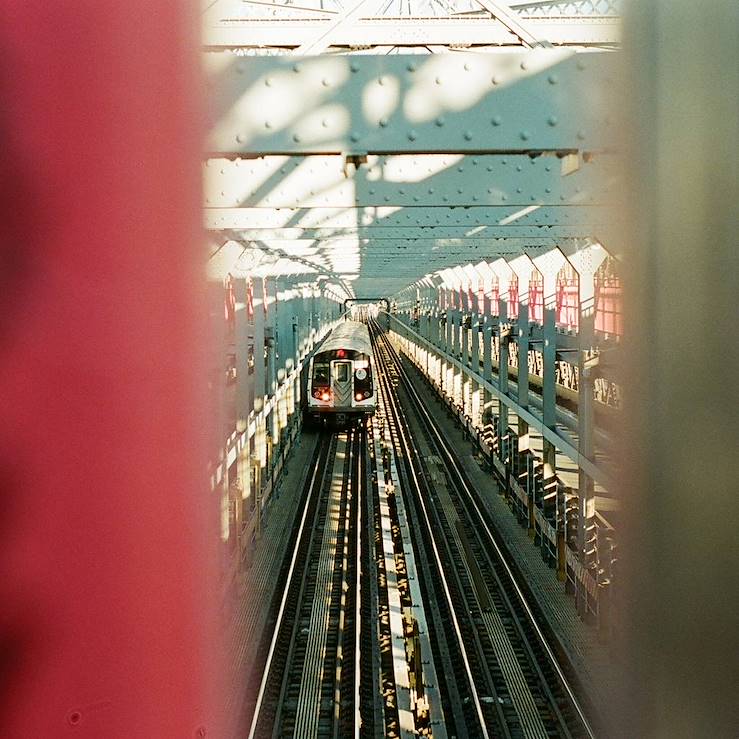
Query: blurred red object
[107, 551]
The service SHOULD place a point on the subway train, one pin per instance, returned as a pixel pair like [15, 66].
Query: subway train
[340, 385]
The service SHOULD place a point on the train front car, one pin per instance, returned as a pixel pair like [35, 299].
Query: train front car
[341, 384]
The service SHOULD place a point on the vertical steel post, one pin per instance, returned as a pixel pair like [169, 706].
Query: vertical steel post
[549, 265]
[244, 381]
[475, 360]
[586, 262]
[503, 328]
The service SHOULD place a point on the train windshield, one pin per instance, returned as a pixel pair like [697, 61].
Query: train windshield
[321, 374]
[342, 372]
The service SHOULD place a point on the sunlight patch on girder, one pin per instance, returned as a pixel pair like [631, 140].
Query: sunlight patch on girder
[277, 100]
[381, 98]
[518, 214]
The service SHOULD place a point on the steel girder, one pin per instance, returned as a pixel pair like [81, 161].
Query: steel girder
[407, 180]
[380, 234]
[537, 100]
[293, 32]
[491, 217]
[405, 248]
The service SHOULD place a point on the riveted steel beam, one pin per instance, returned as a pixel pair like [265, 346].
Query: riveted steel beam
[380, 233]
[537, 100]
[471, 246]
[475, 217]
[292, 32]
[406, 180]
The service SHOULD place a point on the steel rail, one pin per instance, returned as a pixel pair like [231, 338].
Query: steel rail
[357, 585]
[444, 446]
[391, 402]
[344, 570]
[286, 591]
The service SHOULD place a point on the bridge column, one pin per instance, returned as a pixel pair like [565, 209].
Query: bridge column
[465, 384]
[487, 365]
[523, 267]
[457, 352]
[475, 361]
[586, 262]
[504, 273]
[450, 342]
[549, 265]
[428, 322]
[243, 340]
[243, 335]
[449, 349]
[261, 440]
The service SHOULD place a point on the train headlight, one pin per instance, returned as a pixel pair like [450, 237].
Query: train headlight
[325, 396]
[358, 396]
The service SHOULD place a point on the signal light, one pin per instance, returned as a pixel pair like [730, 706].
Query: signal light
[359, 396]
[340, 353]
[325, 396]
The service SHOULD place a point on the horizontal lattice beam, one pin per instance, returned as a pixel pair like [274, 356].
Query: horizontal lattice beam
[291, 33]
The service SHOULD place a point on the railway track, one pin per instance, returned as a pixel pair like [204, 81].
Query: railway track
[398, 614]
[501, 677]
[311, 679]
[351, 606]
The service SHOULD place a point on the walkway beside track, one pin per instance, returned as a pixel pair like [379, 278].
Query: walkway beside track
[594, 660]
